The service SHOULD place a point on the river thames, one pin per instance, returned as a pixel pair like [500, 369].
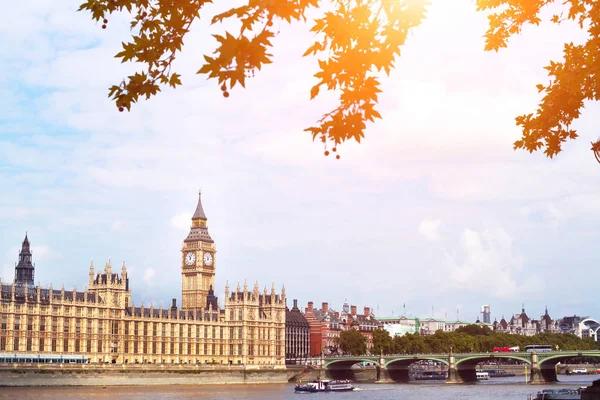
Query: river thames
[497, 388]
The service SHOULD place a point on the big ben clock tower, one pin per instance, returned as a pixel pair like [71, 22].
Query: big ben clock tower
[197, 262]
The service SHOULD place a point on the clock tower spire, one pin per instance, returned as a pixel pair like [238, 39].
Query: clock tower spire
[197, 263]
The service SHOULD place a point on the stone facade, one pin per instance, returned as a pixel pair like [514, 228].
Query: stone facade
[103, 324]
[521, 324]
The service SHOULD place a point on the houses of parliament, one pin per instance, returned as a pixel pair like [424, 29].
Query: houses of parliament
[102, 323]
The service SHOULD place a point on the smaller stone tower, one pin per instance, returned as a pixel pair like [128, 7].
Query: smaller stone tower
[24, 270]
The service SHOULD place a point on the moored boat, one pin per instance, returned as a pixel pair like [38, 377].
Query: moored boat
[482, 376]
[559, 394]
[430, 375]
[324, 385]
[499, 373]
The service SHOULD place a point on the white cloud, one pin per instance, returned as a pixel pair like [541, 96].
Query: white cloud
[45, 253]
[429, 229]
[485, 262]
[181, 222]
[444, 148]
[117, 226]
[149, 274]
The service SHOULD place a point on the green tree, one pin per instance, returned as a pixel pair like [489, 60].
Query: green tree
[382, 342]
[352, 342]
[356, 41]
[474, 330]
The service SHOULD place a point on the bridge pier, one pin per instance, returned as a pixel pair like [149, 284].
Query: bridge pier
[383, 375]
[536, 376]
[453, 375]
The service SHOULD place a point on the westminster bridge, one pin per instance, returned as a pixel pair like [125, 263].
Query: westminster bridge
[461, 366]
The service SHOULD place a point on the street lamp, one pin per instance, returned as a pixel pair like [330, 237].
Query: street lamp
[596, 149]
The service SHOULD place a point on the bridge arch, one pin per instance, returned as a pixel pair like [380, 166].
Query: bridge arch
[407, 360]
[350, 361]
[342, 368]
[397, 368]
[466, 364]
[476, 359]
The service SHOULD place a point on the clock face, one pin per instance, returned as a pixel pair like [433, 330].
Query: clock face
[190, 258]
[208, 259]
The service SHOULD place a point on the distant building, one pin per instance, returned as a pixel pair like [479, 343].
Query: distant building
[400, 326]
[297, 334]
[570, 325]
[521, 324]
[327, 324]
[487, 315]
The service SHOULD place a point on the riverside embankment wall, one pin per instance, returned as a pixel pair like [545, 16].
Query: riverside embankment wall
[109, 375]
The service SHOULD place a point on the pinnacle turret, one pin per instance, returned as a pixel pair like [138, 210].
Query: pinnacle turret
[24, 270]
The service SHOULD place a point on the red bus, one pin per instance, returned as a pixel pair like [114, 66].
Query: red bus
[505, 349]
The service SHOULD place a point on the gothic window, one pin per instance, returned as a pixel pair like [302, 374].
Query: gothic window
[115, 327]
[17, 322]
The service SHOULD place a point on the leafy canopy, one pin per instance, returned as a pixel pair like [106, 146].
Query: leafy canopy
[352, 342]
[572, 81]
[356, 41]
[473, 338]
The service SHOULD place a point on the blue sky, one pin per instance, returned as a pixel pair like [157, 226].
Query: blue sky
[433, 209]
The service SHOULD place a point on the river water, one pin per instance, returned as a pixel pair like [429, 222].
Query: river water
[497, 388]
